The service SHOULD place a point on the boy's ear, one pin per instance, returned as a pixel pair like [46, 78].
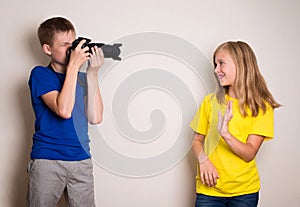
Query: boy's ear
[46, 49]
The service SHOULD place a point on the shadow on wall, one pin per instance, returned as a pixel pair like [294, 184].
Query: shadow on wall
[35, 49]
[26, 118]
[20, 177]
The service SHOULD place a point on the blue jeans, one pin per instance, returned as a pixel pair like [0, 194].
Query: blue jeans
[248, 200]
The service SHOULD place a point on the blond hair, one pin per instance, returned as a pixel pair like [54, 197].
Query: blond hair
[250, 87]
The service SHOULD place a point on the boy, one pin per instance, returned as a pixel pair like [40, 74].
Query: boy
[64, 101]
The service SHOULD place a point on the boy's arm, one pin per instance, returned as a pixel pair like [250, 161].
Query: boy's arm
[62, 102]
[94, 105]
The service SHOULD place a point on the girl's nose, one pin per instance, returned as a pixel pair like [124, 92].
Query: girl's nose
[216, 69]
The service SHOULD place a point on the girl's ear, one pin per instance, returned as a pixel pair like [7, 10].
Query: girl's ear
[46, 49]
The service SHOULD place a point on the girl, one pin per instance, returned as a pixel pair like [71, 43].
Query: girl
[230, 126]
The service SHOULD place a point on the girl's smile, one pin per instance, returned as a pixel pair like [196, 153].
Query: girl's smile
[225, 68]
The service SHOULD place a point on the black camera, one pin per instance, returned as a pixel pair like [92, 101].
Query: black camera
[109, 51]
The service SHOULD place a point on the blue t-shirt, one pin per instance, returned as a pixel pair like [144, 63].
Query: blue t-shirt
[56, 138]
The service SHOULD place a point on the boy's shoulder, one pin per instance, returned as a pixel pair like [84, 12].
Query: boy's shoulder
[39, 73]
[39, 68]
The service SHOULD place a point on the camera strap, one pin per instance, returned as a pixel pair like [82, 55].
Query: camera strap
[80, 81]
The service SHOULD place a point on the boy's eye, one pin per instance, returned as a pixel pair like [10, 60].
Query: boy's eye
[66, 44]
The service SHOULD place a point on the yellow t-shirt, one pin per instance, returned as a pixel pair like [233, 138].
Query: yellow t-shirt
[237, 177]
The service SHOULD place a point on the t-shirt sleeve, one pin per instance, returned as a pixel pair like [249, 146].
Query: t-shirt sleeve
[41, 81]
[264, 124]
[201, 119]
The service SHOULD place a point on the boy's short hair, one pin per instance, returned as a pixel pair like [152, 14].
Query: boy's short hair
[48, 29]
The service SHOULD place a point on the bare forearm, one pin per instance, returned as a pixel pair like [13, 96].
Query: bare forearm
[247, 151]
[66, 98]
[197, 147]
[208, 173]
[94, 107]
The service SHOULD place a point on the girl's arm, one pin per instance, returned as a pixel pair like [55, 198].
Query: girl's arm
[247, 151]
[208, 172]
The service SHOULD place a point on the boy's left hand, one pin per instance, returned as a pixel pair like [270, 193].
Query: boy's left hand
[96, 59]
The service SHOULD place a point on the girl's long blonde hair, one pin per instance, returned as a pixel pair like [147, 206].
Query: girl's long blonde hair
[250, 86]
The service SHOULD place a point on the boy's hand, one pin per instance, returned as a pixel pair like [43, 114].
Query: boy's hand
[96, 59]
[79, 55]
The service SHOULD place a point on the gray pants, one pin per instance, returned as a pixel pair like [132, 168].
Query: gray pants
[50, 179]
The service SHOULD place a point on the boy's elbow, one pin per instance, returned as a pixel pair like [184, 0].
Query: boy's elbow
[95, 118]
[64, 114]
[95, 121]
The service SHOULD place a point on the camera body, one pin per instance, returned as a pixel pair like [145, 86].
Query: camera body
[109, 51]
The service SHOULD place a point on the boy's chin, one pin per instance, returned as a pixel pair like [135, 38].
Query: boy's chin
[66, 62]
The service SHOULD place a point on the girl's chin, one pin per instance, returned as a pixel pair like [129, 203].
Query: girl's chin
[223, 84]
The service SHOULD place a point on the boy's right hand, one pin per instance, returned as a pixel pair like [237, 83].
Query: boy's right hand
[78, 56]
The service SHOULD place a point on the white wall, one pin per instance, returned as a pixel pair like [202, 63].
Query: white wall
[271, 27]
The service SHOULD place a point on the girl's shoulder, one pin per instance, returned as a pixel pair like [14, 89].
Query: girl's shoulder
[209, 101]
[209, 98]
